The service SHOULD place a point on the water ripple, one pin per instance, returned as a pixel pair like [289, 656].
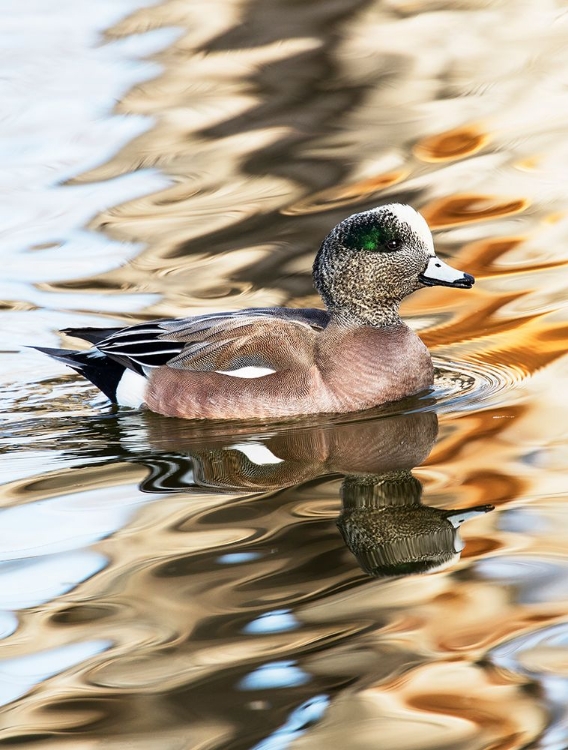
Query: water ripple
[470, 384]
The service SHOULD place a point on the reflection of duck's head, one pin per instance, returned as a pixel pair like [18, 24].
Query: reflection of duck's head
[391, 533]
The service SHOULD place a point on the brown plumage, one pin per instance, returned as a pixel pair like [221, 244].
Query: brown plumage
[354, 355]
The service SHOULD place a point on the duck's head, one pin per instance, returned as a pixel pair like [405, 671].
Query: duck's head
[370, 261]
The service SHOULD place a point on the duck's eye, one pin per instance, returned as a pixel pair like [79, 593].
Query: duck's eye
[394, 244]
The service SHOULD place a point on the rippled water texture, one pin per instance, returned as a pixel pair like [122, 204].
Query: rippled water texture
[307, 584]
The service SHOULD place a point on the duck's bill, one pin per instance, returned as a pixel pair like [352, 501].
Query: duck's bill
[438, 273]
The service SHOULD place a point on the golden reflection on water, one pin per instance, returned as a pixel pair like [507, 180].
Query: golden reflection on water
[453, 144]
[201, 585]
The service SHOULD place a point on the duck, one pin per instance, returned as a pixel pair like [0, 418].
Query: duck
[279, 362]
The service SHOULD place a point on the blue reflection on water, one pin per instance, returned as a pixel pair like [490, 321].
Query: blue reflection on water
[299, 720]
[276, 674]
[277, 621]
[235, 558]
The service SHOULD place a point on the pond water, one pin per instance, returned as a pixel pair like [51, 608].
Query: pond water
[302, 584]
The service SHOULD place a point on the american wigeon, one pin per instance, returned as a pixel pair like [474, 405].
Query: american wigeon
[279, 362]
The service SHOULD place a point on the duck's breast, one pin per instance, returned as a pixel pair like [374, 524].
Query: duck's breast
[366, 366]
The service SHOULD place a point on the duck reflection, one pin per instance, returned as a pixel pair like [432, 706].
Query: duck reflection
[390, 531]
[383, 521]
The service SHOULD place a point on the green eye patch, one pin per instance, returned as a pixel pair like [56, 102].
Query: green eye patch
[373, 236]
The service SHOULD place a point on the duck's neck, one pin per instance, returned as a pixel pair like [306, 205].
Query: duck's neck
[379, 317]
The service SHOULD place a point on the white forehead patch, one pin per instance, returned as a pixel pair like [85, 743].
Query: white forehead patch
[414, 220]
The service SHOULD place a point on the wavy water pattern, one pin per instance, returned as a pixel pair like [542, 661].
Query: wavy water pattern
[396, 576]
[471, 385]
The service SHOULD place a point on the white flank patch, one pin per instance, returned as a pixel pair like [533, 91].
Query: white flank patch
[257, 453]
[437, 270]
[131, 389]
[247, 372]
[415, 221]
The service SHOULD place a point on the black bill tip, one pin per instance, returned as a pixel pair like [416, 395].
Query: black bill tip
[465, 281]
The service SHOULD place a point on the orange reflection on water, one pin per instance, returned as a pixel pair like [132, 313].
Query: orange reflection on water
[345, 195]
[453, 144]
[462, 209]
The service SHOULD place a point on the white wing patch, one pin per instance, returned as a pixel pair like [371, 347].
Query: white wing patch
[247, 372]
[257, 453]
[131, 390]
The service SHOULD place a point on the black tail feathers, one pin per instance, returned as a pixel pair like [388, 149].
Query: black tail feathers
[92, 335]
[102, 371]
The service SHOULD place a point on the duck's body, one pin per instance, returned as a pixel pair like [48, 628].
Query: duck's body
[337, 369]
[279, 362]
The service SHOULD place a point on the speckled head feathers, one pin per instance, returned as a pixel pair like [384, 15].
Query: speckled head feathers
[372, 260]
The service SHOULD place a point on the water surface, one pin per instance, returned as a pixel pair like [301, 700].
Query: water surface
[301, 584]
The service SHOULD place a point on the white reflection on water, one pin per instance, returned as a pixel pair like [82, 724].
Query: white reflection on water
[542, 656]
[66, 523]
[60, 83]
[29, 583]
[8, 624]
[537, 579]
[19, 675]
